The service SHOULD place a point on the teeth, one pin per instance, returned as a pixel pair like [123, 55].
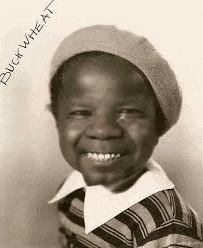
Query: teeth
[107, 156]
[113, 155]
[104, 157]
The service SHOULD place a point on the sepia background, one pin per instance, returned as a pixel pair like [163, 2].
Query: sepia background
[31, 166]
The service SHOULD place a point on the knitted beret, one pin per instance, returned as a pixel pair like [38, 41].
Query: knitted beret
[136, 49]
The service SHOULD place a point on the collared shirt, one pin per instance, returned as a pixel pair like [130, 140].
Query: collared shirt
[101, 205]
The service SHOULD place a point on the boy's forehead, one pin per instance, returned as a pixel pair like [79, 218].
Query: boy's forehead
[104, 71]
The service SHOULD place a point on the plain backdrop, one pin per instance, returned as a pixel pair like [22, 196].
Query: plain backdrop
[31, 166]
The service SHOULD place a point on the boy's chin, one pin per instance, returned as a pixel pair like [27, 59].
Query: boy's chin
[126, 183]
[115, 185]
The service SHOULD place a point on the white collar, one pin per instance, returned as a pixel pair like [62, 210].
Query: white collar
[101, 205]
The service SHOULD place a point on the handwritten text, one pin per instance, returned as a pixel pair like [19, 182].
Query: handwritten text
[29, 37]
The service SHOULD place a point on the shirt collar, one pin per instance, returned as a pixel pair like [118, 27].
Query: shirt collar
[73, 182]
[101, 205]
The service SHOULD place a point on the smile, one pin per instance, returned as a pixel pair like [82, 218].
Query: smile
[102, 157]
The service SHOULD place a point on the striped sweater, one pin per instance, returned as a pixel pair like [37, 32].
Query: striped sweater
[160, 220]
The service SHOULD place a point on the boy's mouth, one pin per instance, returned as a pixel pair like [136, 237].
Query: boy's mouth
[102, 157]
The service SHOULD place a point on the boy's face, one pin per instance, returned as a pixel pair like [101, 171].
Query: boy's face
[106, 120]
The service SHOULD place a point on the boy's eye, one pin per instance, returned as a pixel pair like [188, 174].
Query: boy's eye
[79, 114]
[130, 113]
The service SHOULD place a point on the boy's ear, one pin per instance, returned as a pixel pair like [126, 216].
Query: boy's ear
[56, 122]
[157, 140]
[48, 107]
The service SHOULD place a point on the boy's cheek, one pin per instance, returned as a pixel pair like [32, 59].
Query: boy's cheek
[67, 140]
[68, 153]
[141, 130]
[68, 131]
[150, 139]
[144, 140]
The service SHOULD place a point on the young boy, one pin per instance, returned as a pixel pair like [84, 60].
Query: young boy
[113, 96]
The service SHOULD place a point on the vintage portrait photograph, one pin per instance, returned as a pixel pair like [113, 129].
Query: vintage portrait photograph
[101, 124]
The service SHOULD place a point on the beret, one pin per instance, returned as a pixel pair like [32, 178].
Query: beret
[136, 49]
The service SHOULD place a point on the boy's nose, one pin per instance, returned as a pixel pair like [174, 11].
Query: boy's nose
[103, 128]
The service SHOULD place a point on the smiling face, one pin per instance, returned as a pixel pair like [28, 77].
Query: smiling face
[106, 120]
